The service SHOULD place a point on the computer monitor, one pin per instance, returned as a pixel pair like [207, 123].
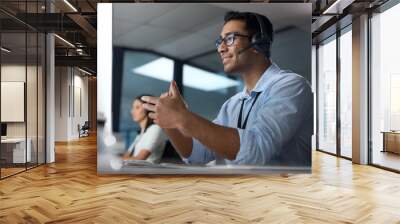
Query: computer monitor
[3, 129]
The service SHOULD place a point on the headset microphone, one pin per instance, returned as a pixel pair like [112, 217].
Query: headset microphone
[245, 49]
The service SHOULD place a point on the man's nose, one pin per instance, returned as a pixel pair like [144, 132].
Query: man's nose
[222, 47]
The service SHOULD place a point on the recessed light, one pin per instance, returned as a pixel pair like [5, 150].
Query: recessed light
[5, 50]
[64, 40]
[84, 71]
[70, 5]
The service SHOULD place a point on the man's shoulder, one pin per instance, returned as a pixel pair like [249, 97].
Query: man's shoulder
[284, 77]
[287, 74]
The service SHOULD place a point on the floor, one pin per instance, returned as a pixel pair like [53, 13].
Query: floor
[5, 172]
[387, 159]
[70, 191]
[10, 171]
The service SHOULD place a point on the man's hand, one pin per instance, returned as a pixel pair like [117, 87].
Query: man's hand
[168, 110]
[170, 113]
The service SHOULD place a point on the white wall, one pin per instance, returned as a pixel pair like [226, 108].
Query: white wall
[33, 126]
[71, 93]
[79, 117]
[12, 73]
[61, 103]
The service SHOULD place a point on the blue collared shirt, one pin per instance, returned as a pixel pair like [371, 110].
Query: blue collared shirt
[279, 127]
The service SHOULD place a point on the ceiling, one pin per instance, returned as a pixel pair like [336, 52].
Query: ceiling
[186, 30]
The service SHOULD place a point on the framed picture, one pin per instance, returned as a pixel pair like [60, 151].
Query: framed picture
[204, 88]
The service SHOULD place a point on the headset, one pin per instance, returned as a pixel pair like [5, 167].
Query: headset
[260, 40]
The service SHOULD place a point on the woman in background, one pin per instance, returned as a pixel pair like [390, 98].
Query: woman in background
[149, 144]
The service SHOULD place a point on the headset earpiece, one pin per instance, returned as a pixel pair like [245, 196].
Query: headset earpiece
[260, 40]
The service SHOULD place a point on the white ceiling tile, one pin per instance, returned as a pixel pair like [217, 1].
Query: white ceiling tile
[212, 30]
[188, 16]
[139, 13]
[186, 46]
[144, 37]
[123, 27]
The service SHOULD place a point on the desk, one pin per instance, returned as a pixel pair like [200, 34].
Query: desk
[391, 141]
[13, 150]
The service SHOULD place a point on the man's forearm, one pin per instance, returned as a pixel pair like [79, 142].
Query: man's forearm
[222, 140]
[180, 142]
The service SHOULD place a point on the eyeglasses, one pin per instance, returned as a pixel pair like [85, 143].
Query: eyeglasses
[229, 39]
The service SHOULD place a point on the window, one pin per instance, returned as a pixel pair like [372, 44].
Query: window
[346, 93]
[385, 88]
[327, 96]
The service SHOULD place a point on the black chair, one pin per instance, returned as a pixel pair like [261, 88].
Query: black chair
[84, 130]
[170, 155]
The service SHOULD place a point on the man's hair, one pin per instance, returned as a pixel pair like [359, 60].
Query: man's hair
[252, 25]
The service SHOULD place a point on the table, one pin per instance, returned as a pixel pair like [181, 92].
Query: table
[13, 150]
[391, 141]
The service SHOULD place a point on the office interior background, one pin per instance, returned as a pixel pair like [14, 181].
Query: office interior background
[147, 56]
[49, 101]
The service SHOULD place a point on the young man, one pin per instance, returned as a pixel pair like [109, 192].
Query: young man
[269, 123]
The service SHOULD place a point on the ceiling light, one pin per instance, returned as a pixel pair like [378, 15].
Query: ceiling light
[337, 7]
[329, 9]
[65, 41]
[5, 50]
[162, 69]
[204, 80]
[193, 77]
[70, 5]
[84, 71]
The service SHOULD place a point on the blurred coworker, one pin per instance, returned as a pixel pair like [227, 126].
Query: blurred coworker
[150, 143]
[270, 122]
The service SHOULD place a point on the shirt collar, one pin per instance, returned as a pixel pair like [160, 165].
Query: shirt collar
[261, 83]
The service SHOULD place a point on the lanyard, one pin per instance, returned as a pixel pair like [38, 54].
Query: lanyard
[239, 124]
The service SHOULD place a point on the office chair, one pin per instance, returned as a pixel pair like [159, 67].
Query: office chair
[84, 130]
[170, 155]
